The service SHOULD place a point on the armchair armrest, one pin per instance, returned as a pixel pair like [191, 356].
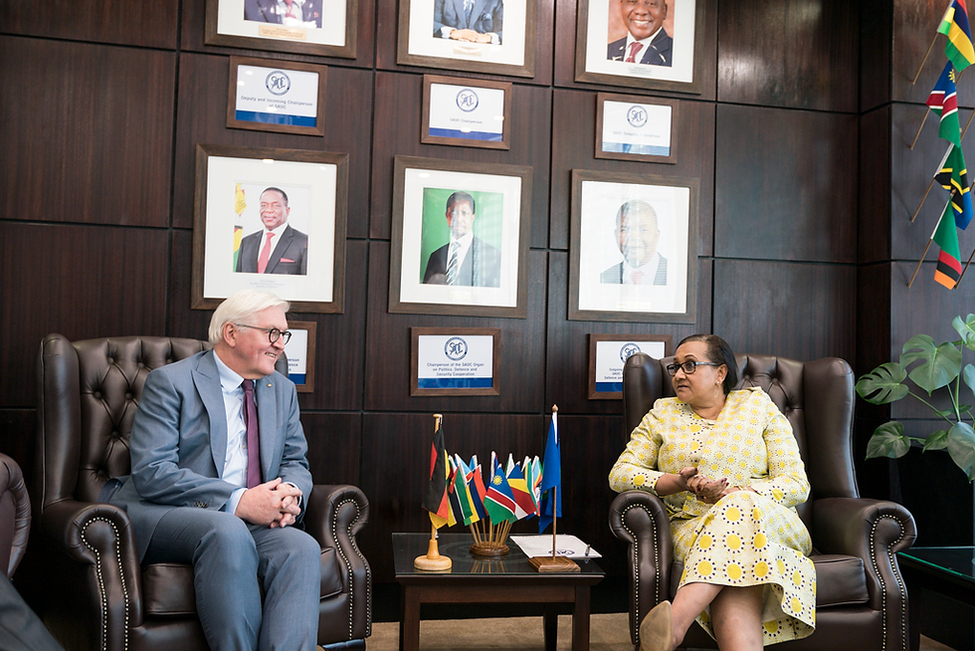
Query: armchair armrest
[334, 516]
[874, 530]
[640, 519]
[94, 543]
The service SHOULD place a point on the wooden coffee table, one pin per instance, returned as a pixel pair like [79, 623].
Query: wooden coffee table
[508, 580]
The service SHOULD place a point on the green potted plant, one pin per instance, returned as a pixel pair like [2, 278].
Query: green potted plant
[929, 367]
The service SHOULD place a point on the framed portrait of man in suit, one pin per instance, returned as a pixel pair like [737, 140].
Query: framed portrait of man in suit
[641, 43]
[492, 36]
[632, 253]
[319, 27]
[460, 238]
[270, 219]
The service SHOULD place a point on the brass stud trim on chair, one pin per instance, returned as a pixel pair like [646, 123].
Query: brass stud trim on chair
[102, 593]
[635, 633]
[900, 581]
[355, 547]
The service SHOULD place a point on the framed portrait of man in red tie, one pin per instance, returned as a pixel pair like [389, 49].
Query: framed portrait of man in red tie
[642, 43]
[270, 219]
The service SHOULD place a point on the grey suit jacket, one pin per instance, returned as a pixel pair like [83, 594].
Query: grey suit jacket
[179, 443]
[487, 16]
[614, 275]
[481, 267]
[290, 255]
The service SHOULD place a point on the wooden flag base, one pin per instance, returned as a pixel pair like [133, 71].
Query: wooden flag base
[433, 561]
[554, 564]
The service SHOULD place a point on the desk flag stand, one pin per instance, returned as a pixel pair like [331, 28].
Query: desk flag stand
[433, 561]
[553, 460]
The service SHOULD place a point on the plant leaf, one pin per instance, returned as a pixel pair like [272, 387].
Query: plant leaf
[936, 441]
[961, 447]
[888, 440]
[883, 384]
[939, 364]
[969, 376]
[966, 329]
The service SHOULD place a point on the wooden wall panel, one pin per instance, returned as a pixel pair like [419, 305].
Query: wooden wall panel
[401, 96]
[387, 26]
[202, 119]
[789, 54]
[876, 28]
[785, 185]
[387, 356]
[801, 311]
[334, 447]
[875, 187]
[566, 45]
[567, 358]
[146, 24]
[87, 132]
[573, 147]
[193, 32]
[80, 281]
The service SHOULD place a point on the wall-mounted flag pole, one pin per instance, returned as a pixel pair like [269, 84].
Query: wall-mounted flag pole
[931, 239]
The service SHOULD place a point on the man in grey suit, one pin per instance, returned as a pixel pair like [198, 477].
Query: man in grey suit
[210, 489]
[637, 234]
[277, 248]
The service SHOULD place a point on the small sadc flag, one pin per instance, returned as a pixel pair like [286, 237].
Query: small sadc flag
[953, 176]
[436, 501]
[948, 270]
[955, 26]
[944, 101]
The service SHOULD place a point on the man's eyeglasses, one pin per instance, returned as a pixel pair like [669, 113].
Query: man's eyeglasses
[688, 367]
[273, 334]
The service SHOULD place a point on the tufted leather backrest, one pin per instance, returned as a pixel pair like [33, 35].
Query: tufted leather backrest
[89, 394]
[816, 397]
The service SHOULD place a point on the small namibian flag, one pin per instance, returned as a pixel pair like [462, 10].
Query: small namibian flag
[943, 100]
[948, 270]
[955, 26]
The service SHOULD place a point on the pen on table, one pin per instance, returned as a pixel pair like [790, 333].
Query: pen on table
[588, 547]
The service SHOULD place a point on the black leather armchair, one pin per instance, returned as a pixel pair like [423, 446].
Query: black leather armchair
[861, 600]
[95, 594]
[14, 515]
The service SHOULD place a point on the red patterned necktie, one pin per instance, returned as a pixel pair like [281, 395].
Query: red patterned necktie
[265, 254]
[634, 48]
[253, 440]
[636, 277]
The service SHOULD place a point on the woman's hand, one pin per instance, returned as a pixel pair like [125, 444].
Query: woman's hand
[706, 489]
[685, 475]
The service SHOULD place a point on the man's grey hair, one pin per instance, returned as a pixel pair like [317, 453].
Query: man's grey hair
[240, 307]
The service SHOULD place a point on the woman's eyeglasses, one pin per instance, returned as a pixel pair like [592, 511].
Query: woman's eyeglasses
[688, 367]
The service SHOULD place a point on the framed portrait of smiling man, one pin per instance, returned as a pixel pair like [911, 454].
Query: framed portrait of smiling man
[270, 219]
[641, 43]
[632, 255]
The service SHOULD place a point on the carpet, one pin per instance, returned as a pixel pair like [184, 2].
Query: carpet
[607, 632]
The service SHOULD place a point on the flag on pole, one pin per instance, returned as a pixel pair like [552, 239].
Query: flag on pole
[499, 501]
[519, 488]
[945, 235]
[436, 501]
[953, 176]
[954, 25]
[943, 100]
[533, 475]
[550, 504]
[463, 489]
[476, 482]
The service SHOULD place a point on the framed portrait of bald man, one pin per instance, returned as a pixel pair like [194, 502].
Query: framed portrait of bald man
[460, 238]
[632, 254]
[641, 43]
[270, 219]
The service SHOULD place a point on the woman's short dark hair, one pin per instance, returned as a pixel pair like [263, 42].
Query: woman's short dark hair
[719, 352]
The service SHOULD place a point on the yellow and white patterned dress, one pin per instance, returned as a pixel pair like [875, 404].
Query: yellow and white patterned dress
[746, 538]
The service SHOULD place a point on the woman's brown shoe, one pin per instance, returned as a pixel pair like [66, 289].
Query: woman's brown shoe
[657, 629]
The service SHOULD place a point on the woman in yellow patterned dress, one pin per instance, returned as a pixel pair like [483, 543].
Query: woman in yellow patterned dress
[728, 469]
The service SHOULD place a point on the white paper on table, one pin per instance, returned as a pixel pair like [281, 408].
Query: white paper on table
[565, 545]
